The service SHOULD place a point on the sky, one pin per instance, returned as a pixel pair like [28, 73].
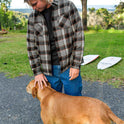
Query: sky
[20, 3]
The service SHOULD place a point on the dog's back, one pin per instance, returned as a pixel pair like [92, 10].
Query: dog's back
[59, 108]
[79, 110]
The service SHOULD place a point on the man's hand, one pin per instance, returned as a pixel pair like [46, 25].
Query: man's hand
[40, 79]
[74, 73]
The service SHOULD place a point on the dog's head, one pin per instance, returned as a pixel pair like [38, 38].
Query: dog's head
[31, 89]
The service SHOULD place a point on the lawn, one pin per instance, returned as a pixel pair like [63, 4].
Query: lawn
[13, 55]
[14, 60]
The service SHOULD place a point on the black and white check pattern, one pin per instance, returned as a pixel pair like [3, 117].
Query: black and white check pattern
[68, 34]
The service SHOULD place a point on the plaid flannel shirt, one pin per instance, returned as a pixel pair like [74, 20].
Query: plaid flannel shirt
[68, 34]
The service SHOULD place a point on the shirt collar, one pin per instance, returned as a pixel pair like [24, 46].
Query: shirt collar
[55, 2]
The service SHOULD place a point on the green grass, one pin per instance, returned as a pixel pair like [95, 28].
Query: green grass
[104, 43]
[13, 51]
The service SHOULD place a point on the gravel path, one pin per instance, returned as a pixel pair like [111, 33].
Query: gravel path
[18, 107]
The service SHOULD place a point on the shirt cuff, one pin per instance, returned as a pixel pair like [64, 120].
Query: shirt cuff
[37, 71]
[76, 66]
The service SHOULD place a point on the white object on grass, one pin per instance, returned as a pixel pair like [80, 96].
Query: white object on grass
[89, 58]
[108, 62]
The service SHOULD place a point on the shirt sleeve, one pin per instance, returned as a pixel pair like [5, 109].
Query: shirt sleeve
[78, 40]
[32, 49]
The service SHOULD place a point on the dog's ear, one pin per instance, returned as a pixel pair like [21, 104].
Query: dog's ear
[34, 92]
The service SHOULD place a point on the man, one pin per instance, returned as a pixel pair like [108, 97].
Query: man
[55, 42]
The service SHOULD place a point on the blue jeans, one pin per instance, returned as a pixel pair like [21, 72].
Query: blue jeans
[58, 80]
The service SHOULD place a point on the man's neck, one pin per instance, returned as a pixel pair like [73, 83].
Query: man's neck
[48, 6]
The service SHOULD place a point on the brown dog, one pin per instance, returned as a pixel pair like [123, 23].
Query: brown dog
[59, 108]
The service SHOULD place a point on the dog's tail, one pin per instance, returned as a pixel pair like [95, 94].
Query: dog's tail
[114, 118]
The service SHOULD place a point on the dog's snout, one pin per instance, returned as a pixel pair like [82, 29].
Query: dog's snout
[28, 89]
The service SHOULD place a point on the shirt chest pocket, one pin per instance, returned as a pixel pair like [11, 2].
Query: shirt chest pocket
[39, 29]
[64, 22]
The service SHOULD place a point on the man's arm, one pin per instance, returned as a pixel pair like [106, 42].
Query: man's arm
[78, 42]
[33, 55]
[32, 49]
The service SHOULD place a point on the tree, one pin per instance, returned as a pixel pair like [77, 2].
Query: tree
[107, 18]
[119, 15]
[4, 4]
[120, 8]
[84, 13]
[91, 10]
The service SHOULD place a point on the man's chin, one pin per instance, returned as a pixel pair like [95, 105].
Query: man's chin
[39, 10]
